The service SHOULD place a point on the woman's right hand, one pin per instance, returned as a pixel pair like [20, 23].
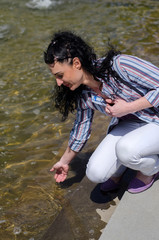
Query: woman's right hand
[61, 171]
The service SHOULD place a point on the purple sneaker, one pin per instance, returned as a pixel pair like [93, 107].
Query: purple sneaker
[109, 185]
[137, 186]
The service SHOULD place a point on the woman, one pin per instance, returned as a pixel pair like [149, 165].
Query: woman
[121, 86]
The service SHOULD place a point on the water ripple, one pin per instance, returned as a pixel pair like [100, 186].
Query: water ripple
[4, 31]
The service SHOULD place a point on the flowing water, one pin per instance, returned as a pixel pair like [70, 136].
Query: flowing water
[32, 135]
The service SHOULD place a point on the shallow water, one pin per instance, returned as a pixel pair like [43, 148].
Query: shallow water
[32, 136]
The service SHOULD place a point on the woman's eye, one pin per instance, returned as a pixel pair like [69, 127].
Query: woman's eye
[60, 76]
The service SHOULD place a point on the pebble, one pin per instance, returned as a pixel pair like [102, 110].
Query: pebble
[91, 231]
[36, 111]
[2, 221]
[17, 230]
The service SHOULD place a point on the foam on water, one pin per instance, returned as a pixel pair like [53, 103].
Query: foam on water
[42, 4]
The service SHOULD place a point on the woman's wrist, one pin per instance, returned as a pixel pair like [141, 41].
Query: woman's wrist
[64, 161]
[139, 104]
[131, 107]
[68, 156]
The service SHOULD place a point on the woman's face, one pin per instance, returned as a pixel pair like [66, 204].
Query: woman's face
[69, 75]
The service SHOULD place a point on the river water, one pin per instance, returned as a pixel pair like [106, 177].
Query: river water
[32, 135]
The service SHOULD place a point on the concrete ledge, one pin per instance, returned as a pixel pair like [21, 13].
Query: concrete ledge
[136, 217]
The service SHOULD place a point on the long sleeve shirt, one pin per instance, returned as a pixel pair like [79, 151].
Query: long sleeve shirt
[138, 74]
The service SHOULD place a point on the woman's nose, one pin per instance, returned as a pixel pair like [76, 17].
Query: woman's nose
[59, 82]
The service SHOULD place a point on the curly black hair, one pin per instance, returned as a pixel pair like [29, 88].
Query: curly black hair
[65, 46]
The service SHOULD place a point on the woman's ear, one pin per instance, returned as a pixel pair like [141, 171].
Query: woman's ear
[77, 63]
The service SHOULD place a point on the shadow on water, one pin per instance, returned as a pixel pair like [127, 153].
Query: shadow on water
[78, 166]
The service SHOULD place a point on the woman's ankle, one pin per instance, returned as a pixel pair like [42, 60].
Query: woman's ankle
[144, 178]
[116, 179]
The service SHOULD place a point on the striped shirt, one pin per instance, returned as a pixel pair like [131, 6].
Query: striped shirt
[138, 74]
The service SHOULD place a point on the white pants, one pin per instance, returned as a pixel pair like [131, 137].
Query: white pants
[130, 144]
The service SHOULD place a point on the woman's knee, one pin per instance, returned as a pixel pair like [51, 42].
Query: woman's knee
[96, 174]
[125, 151]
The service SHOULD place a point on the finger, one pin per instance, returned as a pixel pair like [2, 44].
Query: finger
[60, 178]
[57, 174]
[52, 169]
[108, 109]
[110, 101]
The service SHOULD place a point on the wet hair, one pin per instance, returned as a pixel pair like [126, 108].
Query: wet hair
[64, 47]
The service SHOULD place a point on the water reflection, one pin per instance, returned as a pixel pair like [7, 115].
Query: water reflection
[32, 136]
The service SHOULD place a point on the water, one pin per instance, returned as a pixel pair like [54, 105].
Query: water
[32, 136]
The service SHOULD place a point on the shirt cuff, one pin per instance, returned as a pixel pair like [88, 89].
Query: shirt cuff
[76, 145]
[153, 97]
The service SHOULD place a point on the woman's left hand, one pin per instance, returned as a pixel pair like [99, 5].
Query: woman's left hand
[117, 107]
